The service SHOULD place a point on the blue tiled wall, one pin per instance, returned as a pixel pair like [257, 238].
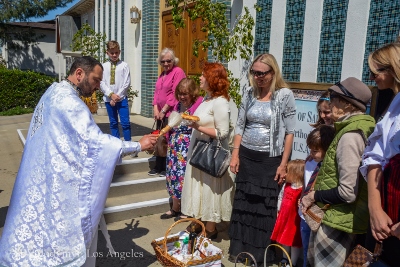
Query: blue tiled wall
[292, 47]
[150, 38]
[263, 27]
[333, 30]
[383, 27]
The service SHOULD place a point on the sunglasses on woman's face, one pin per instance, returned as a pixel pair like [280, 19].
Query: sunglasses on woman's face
[166, 61]
[373, 75]
[259, 74]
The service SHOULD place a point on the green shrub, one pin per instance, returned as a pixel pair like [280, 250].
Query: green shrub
[22, 88]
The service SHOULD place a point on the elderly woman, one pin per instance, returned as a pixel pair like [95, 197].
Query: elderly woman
[187, 93]
[380, 165]
[203, 196]
[164, 99]
[262, 146]
[338, 183]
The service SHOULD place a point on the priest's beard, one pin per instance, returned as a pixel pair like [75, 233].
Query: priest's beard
[84, 87]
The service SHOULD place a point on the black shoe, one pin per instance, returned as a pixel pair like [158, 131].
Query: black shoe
[153, 172]
[162, 174]
[212, 235]
[169, 216]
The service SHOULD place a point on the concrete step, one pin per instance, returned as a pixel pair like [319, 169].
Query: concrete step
[136, 205]
[129, 185]
[135, 165]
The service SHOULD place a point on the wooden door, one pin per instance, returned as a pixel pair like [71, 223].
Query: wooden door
[181, 41]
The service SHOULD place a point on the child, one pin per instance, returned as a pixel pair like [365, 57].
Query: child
[115, 85]
[324, 111]
[286, 230]
[318, 142]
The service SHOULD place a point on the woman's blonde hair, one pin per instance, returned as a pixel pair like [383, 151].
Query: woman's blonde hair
[295, 171]
[277, 80]
[389, 57]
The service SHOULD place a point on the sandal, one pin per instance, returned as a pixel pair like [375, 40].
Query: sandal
[181, 216]
[169, 216]
[212, 235]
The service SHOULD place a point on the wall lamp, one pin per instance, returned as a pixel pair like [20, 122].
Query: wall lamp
[136, 15]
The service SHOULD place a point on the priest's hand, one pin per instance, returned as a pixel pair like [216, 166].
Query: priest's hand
[147, 142]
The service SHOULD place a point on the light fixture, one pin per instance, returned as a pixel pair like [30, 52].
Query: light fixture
[135, 15]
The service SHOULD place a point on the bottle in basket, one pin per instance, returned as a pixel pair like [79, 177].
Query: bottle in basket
[192, 240]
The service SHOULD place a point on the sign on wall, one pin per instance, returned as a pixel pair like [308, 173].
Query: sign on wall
[306, 107]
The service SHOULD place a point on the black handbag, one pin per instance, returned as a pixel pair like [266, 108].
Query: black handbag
[210, 157]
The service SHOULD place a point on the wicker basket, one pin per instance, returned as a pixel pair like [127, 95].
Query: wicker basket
[160, 248]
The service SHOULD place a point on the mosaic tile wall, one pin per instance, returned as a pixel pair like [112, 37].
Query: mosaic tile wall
[333, 31]
[383, 27]
[293, 42]
[263, 27]
[150, 38]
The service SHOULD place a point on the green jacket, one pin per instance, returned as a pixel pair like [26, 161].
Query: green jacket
[347, 217]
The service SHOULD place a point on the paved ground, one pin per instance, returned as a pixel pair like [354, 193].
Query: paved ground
[128, 237]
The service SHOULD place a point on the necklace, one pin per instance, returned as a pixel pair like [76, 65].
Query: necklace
[76, 88]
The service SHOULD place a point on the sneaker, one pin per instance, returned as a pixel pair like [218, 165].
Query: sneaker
[153, 172]
[162, 173]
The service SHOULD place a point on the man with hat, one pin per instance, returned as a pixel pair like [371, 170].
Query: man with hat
[338, 183]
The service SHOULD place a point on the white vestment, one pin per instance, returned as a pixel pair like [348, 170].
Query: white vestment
[62, 183]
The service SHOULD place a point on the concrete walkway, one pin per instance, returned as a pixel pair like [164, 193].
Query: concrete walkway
[129, 236]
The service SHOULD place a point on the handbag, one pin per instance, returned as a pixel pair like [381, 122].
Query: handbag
[161, 146]
[361, 256]
[315, 214]
[210, 157]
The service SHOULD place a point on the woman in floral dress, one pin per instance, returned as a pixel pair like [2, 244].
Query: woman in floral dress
[187, 94]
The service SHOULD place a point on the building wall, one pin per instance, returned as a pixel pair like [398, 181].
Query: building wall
[40, 57]
[324, 41]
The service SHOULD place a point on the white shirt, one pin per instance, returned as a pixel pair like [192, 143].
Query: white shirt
[384, 142]
[308, 171]
[122, 80]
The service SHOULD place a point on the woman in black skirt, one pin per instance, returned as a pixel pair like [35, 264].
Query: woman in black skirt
[262, 144]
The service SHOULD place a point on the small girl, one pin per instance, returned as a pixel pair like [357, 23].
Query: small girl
[324, 110]
[287, 230]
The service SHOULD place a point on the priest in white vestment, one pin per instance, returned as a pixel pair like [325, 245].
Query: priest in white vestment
[64, 177]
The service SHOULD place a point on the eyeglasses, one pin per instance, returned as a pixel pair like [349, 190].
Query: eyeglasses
[259, 74]
[166, 61]
[372, 75]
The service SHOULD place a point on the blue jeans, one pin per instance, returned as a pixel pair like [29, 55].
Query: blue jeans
[121, 108]
[305, 238]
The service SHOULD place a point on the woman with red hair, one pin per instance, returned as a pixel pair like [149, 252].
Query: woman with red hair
[203, 196]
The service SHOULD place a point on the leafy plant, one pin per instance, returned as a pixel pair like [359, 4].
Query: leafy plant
[22, 88]
[90, 42]
[223, 42]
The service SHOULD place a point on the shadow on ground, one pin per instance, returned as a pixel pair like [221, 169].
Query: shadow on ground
[128, 252]
[3, 215]
[136, 129]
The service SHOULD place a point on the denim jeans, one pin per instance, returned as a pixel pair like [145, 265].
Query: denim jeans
[305, 238]
[121, 108]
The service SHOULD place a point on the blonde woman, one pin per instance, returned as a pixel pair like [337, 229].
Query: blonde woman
[262, 145]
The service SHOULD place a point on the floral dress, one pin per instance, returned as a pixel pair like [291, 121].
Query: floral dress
[178, 145]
